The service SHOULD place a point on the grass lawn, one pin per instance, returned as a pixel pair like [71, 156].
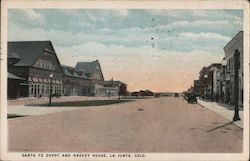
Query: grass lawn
[87, 103]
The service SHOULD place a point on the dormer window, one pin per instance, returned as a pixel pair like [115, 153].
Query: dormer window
[44, 64]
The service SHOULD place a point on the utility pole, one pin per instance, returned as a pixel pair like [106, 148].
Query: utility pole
[212, 86]
[236, 85]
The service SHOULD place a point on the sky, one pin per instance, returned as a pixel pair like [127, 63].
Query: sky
[159, 50]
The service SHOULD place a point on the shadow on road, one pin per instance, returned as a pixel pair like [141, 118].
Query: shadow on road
[220, 126]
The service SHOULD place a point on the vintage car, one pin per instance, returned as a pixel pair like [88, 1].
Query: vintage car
[191, 98]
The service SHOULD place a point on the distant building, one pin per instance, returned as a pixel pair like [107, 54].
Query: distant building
[166, 94]
[221, 83]
[197, 87]
[135, 93]
[146, 93]
[203, 75]
[207, 81]
[115, 88]
[93, 71]
[235, 44]
[33, 62]
[212, 81]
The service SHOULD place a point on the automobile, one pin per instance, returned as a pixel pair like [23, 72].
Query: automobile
[191, 98]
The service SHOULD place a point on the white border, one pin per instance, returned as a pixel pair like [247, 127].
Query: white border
[142, 4]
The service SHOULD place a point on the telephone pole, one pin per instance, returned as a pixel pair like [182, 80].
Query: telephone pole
[236, 85]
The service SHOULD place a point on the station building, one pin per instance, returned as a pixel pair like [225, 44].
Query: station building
[33, 66]
[35, 62]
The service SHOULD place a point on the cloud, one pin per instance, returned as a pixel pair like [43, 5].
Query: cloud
[125, 37]
[198, 25]
[203, 35]
[105, 14]
[199, 14]
[123, 12]
[31, 15]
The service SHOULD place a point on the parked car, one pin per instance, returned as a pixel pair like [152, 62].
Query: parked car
[191, 98]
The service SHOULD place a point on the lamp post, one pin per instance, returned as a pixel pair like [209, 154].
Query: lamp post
[119, 92]
[236, 85]
[50, 89]
[205, 90]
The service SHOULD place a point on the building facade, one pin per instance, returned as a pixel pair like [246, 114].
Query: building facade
[34, 70]
[75, 83]
[223, 82]
[235, 45]
[36, 62]
[197, 87]
[208, 82]
[203, 75]
[115, 88]
[93, 71]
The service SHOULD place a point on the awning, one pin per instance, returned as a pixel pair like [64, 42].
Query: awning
[40, 80]
[12, 76]
[34, 79]
[24, 84]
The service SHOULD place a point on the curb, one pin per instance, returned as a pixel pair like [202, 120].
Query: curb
[234, 122]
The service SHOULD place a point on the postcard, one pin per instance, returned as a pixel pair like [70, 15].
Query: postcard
[124, 80]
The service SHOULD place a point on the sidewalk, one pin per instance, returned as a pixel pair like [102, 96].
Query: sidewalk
[224, 111]
[23, 110]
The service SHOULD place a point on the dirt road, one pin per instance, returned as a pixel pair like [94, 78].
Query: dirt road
[150, 125]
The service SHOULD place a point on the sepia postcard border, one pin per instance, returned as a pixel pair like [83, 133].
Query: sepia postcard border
[126, 4]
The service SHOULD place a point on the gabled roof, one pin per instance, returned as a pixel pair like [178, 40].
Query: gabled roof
[27, 51]
[203, 70]
[239, 34]
[68, 73]
[114, 82]
[88, 68]
[147, 91]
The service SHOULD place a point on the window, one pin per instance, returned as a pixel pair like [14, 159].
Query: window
[38, 89]
[45, 64]
[32, 89]
[35, 90]
[42, 89]
[47, 89]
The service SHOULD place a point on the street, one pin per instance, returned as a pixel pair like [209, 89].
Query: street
[165, 124]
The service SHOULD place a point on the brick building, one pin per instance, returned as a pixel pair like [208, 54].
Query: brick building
[236, 44]
[34, 61]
